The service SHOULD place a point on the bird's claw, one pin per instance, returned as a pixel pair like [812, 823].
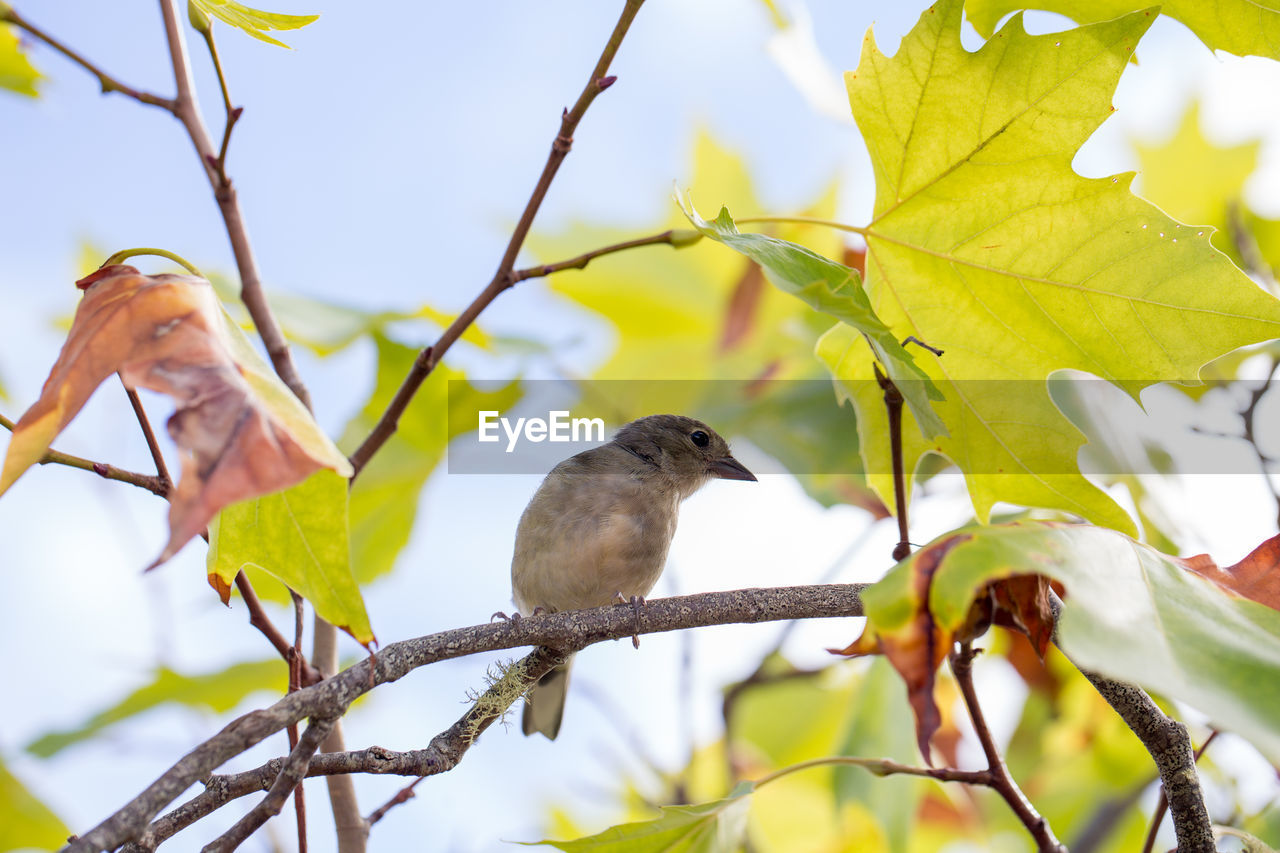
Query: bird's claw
[514, 617]
[637, 603]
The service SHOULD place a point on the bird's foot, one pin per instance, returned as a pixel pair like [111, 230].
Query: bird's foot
[514, 617]
[637, 604]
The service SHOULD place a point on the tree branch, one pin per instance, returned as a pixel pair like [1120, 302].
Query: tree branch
[105, 80]
[1169, 745]
[503, 278]
[187, 109]
[443, 753]
[1162, 804]
[109, 472]
[291, 774]
[565, 633]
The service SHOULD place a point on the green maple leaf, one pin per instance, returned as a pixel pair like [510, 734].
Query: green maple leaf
[1242, 27]
[301, 537]
[986, 244]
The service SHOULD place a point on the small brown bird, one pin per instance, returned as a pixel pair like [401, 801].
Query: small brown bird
[599, 527]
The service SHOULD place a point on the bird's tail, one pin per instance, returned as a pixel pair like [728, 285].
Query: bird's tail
[544, 703]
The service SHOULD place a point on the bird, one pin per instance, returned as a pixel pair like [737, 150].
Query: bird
[597, 530]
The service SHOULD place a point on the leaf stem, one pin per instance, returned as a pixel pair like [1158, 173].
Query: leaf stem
[125, 254]
[805, 220]
[503, 278]
[884, 767]
[105, 80]
[1001, 782]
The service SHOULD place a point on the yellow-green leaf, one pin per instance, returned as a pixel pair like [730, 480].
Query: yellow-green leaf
[217, 692]
[384, 499]
[300, 537]
[1242, 27]
[986, 244]
[715, 827]
[255, 22]
[835, 290]
[1195, 181]
[17, 74]
[25, 822]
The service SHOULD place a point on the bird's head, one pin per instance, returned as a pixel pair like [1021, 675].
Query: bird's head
[684, 449]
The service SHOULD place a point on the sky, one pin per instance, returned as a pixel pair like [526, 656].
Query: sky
[381, 164]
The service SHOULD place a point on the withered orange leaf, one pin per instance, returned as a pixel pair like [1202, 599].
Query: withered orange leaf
[922, 640]
[240, 431]
[919, 647]
[1256, 577]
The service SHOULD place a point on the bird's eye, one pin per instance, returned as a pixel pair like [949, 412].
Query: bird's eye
[700, 438]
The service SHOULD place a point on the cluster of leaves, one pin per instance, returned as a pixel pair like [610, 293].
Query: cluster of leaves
[985, 245]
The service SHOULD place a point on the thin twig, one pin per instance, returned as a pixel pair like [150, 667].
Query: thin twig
[105, 80]
[884, 767]
[503, 277]
[1162, 803]
[402, 796]
[109, 472]
[564, 632]
[187, 109]
[259, 619]
[233, 113]
[677, 238]
[893, 405]
[149, 434]
[1001, 782]
[1248, 416]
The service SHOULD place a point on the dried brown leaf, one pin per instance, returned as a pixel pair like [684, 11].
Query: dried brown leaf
[241, 433]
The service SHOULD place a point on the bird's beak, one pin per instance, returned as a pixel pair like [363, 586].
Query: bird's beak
[729, 468]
